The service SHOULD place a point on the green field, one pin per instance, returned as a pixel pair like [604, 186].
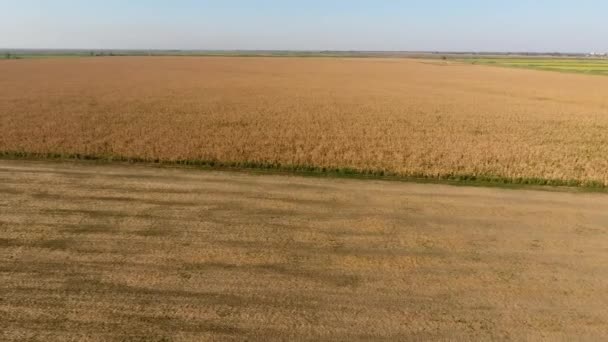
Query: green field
[577, 65]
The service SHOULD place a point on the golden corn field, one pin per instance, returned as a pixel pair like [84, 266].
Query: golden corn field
[404, 117]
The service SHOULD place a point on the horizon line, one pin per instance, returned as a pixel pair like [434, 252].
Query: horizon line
[7, 49]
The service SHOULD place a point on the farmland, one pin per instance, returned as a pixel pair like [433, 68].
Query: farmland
[592, 66]
[95, 252]
[399, 117]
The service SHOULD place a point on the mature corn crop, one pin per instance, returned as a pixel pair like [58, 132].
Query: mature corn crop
[399, 116]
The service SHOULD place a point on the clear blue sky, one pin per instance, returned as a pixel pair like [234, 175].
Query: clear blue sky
[463, 25]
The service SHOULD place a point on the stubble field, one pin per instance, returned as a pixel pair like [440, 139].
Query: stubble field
[384, 116]
[94, 252]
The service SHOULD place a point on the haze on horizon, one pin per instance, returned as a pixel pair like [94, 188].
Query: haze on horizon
[441, 25]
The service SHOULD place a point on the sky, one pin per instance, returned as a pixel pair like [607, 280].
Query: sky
[388, 25]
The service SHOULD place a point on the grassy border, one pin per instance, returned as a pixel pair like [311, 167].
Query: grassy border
[316, 171]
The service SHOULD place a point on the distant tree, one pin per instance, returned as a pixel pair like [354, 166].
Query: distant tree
[444, 58]
[8, 55]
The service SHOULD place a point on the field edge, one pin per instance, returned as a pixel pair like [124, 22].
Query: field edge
[490, 181]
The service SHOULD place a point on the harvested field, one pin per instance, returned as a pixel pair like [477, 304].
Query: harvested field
[113, 253]
[405, 117]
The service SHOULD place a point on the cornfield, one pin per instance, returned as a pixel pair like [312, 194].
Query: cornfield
[395, 116]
